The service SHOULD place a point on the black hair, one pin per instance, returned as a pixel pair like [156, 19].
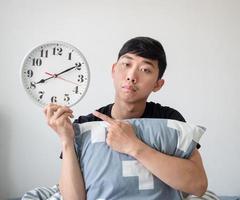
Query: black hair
[146, 47]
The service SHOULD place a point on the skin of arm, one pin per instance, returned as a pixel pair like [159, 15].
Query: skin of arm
[71, 182]
[187, 175]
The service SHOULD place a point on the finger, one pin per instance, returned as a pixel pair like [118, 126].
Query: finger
[104, 117]
[65, 116]
[61, 111]
[46, 107]
[68, 114]
[59, 118]
[50, 109]
[61, 121]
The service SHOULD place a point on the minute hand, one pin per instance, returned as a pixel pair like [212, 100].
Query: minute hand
[65, 70]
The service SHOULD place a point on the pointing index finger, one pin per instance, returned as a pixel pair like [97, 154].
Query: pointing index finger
[103, 117]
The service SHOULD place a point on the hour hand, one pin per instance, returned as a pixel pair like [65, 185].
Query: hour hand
[43, 80]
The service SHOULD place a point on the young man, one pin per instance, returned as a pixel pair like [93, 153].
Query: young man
[137, 72]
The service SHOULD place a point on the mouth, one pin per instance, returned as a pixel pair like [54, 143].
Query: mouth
[129, 88]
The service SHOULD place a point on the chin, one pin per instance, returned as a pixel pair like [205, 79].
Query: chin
[133, 100]
[131, 97]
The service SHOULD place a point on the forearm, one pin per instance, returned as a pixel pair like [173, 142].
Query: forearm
[186, 175]
[71, 180]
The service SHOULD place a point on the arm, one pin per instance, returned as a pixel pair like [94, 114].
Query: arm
[187, 175]
[71, 180]
[71, 183]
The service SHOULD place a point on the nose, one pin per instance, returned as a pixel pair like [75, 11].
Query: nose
[132, 75]
[133, 80]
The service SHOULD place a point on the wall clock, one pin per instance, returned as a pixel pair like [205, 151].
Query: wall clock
[55, 72]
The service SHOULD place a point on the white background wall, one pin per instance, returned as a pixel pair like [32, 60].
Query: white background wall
[201, 39]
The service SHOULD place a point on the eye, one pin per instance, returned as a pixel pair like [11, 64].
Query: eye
[146, 70]
[125, 64]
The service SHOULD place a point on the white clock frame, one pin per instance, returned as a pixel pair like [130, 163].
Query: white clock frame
[43, 49]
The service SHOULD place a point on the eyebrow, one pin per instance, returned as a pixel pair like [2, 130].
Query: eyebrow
[145, 60]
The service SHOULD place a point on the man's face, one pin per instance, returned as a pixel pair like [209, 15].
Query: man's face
[135, 77]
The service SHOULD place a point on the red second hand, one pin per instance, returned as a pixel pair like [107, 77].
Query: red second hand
[54, 75]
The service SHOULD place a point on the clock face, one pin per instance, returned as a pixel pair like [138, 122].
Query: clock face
[55, 72]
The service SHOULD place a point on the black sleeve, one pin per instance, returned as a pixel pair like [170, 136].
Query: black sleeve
[174, 114]
[90, 117]
[86, 118]
[170, 113]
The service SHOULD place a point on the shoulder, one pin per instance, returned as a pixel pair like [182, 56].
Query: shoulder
[156, 110]
[90, 117]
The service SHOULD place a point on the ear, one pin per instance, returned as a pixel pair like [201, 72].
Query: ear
[158, 85]
[113, 68]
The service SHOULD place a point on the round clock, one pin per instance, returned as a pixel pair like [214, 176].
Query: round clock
[55, 72]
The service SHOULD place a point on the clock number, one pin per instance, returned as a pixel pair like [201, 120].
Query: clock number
[78, 65]
[57, 51]
[29, 73]
[76, 90]
[32, 85]
[66, 97]
[44, 53]
[70, 56]
[37, 62]
[54, 99]
[41, 93]
[80, 78]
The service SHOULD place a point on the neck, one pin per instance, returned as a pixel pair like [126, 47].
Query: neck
[123, 110]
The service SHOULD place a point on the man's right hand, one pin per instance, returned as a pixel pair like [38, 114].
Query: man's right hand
[58, 118]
